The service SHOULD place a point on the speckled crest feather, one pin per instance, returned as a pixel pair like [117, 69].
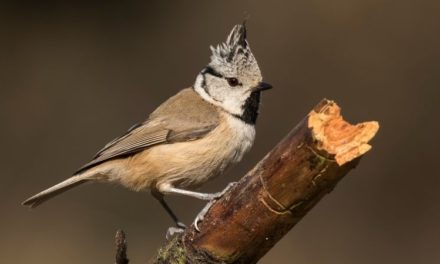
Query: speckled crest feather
[235, 51]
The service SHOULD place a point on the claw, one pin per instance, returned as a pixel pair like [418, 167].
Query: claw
[196, 223]
[201, 215]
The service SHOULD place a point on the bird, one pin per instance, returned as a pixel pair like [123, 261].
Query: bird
[191, 138]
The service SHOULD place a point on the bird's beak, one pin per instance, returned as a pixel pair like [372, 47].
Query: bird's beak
[261, 87]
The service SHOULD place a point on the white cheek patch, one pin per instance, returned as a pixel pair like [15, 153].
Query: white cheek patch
[198, 87]
[230, 101]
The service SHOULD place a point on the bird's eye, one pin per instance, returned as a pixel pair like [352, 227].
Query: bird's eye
[232, 81]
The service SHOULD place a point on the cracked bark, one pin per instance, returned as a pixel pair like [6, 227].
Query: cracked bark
[275, 195]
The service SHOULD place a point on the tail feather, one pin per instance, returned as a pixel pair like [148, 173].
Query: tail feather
[53, 191]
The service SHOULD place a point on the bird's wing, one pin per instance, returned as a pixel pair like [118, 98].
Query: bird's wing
[141, 138]
[172, 122]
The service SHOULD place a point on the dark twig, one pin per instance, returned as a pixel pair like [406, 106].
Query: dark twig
[121, 248]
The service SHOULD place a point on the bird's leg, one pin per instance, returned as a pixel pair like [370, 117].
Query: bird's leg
[198, 195]
[211, 197]
[159, 196]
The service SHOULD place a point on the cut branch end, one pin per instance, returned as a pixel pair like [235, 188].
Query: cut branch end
[339, 139]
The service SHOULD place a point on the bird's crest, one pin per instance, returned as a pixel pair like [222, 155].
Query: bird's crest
[235, 51]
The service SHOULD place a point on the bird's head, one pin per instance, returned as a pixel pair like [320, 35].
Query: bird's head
[233, 80]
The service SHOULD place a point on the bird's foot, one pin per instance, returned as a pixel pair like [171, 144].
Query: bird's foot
[173, 231]
[180, 225]
[179, 228]
[215, 196]
[201, 215]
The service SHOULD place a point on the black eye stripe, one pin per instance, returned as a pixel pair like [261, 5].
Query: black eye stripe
[211, 71]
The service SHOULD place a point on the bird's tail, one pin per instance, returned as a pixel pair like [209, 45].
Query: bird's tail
[53, 191]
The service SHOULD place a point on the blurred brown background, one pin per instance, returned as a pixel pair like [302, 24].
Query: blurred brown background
[75, 75]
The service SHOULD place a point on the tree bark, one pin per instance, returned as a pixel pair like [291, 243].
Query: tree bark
[265, 204]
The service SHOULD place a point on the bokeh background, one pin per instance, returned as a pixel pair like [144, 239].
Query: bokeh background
[74, 75]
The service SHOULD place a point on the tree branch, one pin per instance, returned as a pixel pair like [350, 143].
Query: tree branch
[265, 204]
